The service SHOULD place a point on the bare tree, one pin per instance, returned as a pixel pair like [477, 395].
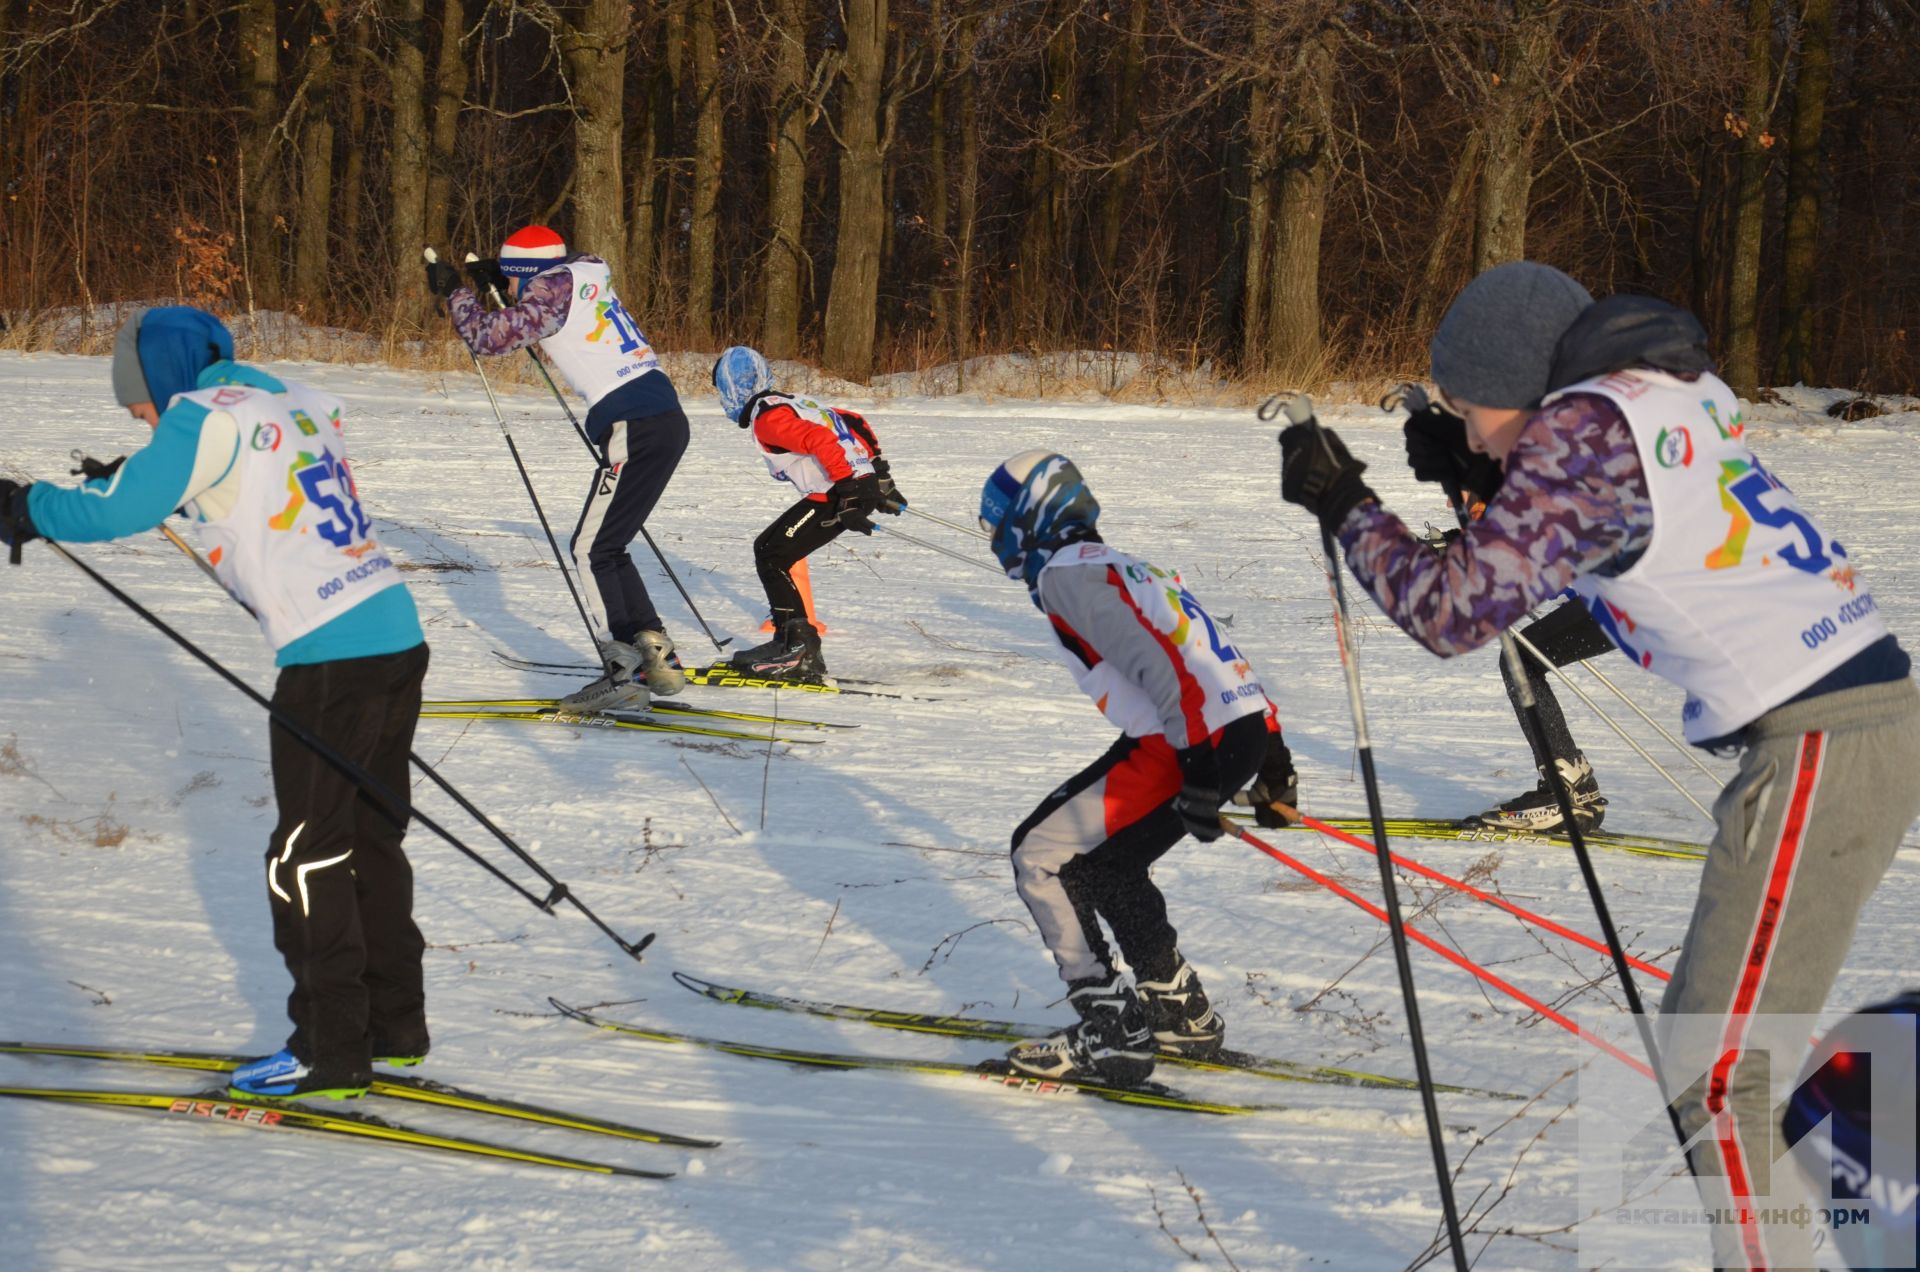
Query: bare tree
[449, 90]
[1800, 266]
[856, 263]
[311, 238]
[703, 241]
[1741, 364]
[258, 46]
[407, 154]
[595, 48]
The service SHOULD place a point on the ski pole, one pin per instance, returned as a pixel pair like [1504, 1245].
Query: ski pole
[1299, 410]
[1530, 708]
[507, 433]
[934, 547]
[1690, 752]
[719, 642]
[975, 531]
[1479, 894]
[394, 807]
[1453, 956]
[1530, 648]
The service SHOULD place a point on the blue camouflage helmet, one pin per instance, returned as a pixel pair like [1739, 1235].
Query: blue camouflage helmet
[1033, 505]
[739, 376]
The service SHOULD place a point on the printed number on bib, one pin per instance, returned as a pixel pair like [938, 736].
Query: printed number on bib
[1743, 490]
[329, 484]
[1188, 605]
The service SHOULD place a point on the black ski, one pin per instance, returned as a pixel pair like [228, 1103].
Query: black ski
[994, 1071]
[217, 1107]
[1226, 1061]
[392, 1086]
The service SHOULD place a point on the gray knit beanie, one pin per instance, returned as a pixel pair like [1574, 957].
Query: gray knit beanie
[1495, 345]
[129, 377]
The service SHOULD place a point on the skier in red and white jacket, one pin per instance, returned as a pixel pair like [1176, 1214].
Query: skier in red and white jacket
[828, 454]
[1196, 726]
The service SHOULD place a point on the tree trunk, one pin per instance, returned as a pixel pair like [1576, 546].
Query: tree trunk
[1293, 295]
[312, 243]
[1433, 295]
[407, 159]
[966, 193]
[647, 274]
[595, 48]
[1742, 363]
[855, 288]
[702, 247]
[1800, 268]
[787, 184]
[1263, 149]
[449, 90]
[1121, 181]
[1044, 266]
[1514, 104]
[259, 55]
[353, 169]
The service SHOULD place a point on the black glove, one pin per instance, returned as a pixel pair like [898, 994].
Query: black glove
[16, 523]
[892, 502]
[852, 501]
[1198, 802]
[1437, 451]
[1317, 473]
[93, 470]
[1277, 783]
[442, 278]
[485, 273]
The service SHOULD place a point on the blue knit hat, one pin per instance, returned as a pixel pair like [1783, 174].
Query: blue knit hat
[160, 353]
[1495, 345]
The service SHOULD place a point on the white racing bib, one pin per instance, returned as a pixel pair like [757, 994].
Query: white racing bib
[1217, 685]
[806, 474]
[296, 548]
[600, 347]
[1740, 599]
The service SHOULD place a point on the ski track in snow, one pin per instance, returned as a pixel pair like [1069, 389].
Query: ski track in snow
[135, 806]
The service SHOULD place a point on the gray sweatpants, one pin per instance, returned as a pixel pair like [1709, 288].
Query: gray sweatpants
[1826, 789]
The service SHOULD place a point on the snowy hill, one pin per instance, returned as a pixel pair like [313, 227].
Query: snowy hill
[870, 869]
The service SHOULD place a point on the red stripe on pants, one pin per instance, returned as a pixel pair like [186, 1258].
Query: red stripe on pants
[1760, 947]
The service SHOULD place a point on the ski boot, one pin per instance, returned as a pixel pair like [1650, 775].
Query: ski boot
[659, 664]
[1539, 812]
[402, 1050]
[616, 690]
[284, 1076]
[1110, 1044]
[1184, 1023]
[793, 654]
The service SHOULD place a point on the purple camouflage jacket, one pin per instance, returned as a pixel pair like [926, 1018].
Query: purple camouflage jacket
[540, 312]
[1575, 497]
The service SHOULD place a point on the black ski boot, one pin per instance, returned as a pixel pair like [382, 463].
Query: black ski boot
[1184, 1023]
[1539, 812]
[1111, 1044]
[793, 654]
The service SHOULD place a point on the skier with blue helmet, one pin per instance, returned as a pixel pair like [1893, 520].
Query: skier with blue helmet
[832, 458]
[1196, 726]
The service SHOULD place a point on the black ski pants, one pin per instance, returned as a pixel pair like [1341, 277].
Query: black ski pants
[338, 882]
[1085, 853]
[1565, 635]
[794, 535]
[637, 461]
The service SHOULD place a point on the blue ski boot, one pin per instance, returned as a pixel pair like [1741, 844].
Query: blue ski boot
[284, 1076]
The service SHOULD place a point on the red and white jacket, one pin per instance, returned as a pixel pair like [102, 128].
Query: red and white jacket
[1143, 649]
[809, 445]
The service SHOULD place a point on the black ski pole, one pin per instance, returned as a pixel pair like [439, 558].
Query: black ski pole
[1300, 411]
[1415, 399]
[719, 643]
[527, 481]
[392, 805]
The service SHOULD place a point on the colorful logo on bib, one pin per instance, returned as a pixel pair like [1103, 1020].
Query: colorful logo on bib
[1673, 448]
[611, 314]
[266, 437]
[589, 290]
[1728, 431]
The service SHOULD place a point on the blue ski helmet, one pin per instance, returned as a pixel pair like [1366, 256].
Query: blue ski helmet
[1858, 1160]
[1032, 505]
[739, 376]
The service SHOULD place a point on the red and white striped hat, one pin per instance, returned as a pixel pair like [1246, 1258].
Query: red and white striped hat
[529, 250]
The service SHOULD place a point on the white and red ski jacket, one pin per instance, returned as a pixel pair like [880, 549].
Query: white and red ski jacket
[809, 445]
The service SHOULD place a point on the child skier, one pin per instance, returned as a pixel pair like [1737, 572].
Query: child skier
[829, 455]
[567, 305]
[1196, 726]
[1627, 476]
[261, 466]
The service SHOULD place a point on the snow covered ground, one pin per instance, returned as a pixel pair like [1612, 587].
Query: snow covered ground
[135, 805]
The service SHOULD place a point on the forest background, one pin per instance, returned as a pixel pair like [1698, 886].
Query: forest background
[1273, 190]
